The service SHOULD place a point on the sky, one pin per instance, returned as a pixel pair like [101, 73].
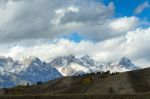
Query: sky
[106, 30]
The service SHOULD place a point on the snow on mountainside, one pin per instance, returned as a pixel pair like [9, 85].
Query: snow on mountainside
[73, 69]
[66, 60]
[37, 70]
[70, 65]
[29, 70]
[32, 69]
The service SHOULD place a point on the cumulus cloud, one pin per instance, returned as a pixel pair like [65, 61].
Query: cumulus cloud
[133, 45]
[142, 7]
[88, 13]
[106, 29]
[44, 19]
[124, 24]
[38, 19]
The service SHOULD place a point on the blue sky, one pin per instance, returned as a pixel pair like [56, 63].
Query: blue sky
[122, 8]
[127, 7]
[74, 37]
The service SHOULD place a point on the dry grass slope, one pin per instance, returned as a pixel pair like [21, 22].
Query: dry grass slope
[134, 82]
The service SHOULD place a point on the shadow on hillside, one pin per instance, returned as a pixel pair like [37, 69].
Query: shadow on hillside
[140, 80]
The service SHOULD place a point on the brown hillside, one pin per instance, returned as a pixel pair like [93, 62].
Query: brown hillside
[123, 83]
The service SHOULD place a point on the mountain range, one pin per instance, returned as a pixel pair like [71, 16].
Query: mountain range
[32, 69]
[70, 65]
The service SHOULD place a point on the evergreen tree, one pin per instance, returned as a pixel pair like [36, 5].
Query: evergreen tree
[38, 83]
[28, 85]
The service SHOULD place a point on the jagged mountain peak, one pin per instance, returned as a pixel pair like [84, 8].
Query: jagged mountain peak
[31, 69]
[29, 60]
[62, 60]
[126, 62]
[67, 60]
[86, 61]
[2, 58]
[85, 57]
[5, 62]
[71, 56]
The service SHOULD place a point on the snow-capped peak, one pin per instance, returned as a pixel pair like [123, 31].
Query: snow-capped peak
[85, 57]
[29, 69]
[62, 61]
[67, 60]
[86, 61]
[6, 59]
[93, 66]
[126, 62]
[29, 60]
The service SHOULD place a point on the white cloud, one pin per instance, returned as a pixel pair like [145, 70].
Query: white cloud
[43, 19]
[133, 45]
[142, 7]
[46, 19]
[102, 30]
[88, 13]
[124, 23]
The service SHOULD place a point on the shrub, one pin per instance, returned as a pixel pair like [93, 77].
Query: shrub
[39, 83]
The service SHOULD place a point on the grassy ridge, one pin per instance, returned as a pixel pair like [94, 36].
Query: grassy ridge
[129, 96]
[85, 86]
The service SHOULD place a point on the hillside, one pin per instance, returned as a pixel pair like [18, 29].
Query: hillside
[123, 83]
